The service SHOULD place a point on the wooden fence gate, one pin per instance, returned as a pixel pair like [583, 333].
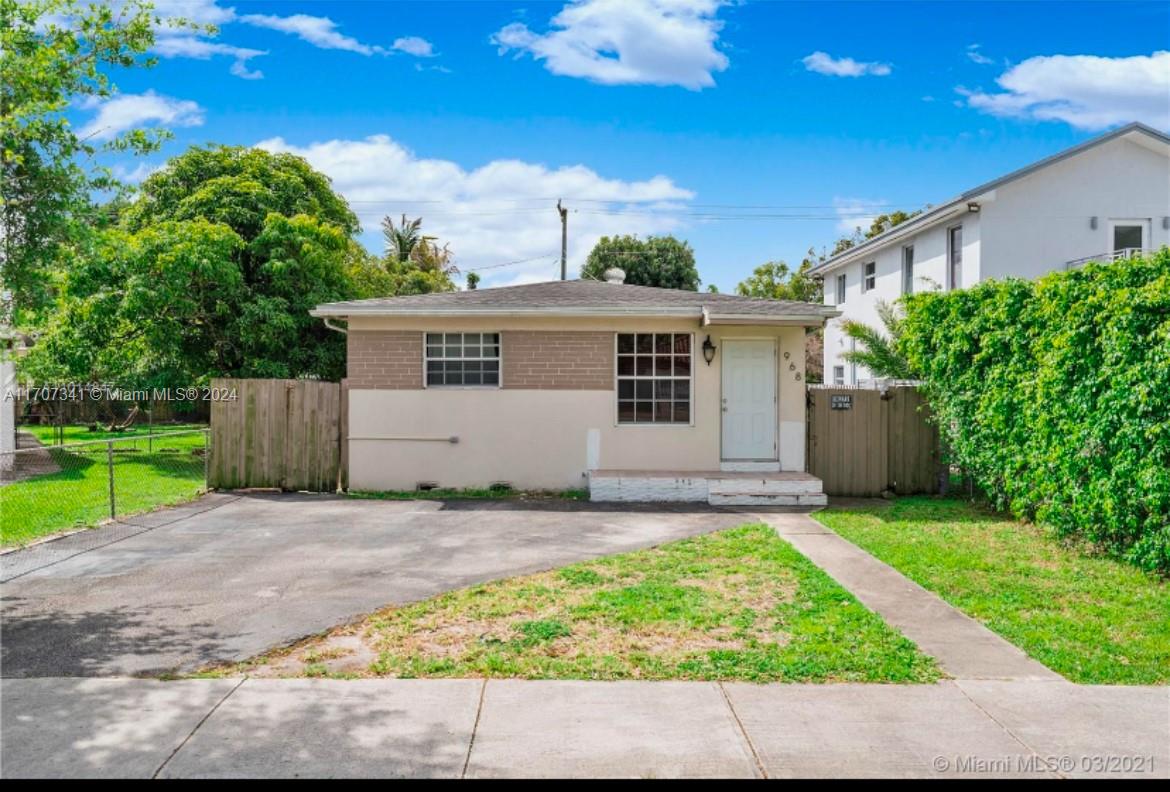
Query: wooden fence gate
[277, 433]
[862, 442]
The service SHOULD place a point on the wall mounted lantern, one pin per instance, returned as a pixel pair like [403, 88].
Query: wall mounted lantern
[708, 351]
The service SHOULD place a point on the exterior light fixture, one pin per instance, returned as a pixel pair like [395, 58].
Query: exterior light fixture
[708, 351]
[972, 207]
[1093, 223]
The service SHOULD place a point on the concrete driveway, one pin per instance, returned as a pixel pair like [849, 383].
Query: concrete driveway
[229, 577]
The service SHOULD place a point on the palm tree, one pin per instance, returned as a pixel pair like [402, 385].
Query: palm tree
[878, 351]
[401, 239]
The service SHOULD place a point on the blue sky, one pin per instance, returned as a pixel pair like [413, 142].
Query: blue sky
[754, 130]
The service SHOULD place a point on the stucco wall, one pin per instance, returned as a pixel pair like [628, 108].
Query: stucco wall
[1038, 223]
[549, 438]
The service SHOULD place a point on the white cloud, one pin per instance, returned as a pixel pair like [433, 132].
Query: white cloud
[318, 31]
[976, 56]
[1086, 91]
[413, 45]
[137, 174]
[201, 12]
[824, 63]
[854, 213]
[202, 49]
[127, 111]
[499, 212]
[627, 42]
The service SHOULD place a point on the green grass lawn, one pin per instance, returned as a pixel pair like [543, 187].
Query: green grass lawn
[740, 604]
[74, 492]
[1087, 617]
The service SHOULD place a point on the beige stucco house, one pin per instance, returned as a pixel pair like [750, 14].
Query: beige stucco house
[637, 393]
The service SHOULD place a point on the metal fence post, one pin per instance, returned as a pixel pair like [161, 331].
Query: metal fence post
[110, 469]
[207, 459]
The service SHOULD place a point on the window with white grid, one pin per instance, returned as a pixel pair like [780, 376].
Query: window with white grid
[654, 378]
[462, 359]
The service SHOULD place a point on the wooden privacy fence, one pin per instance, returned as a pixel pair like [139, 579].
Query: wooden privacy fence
[863, 442]
[277, 433]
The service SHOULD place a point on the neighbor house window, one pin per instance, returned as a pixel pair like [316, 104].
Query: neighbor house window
[463, 359]
[841, 289]
[853, 363]
[908, 269]
[955, 257]
[838, 375]
[1128, 237]
[654, 378]
[868, 276]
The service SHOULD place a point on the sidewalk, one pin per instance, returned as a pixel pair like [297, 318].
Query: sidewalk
[471, 728]
[963, 647]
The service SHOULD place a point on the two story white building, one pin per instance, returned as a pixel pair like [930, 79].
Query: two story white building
[1105, 198]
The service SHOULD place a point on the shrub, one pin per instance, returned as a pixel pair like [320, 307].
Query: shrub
[1055, 395]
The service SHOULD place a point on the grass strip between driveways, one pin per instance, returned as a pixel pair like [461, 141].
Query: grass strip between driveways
[1087, 617]
[740, 604]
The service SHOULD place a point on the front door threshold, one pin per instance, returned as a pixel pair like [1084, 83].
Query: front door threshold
[732, 466]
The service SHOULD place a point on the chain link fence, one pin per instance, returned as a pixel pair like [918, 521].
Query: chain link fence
[49, 489]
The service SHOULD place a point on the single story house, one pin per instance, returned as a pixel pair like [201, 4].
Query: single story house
[1106, 198]
[637, 393]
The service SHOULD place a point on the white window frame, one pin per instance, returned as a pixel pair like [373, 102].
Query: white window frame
[868, 276]
[499, 358]
[852, 363]
[842, 282]
[617, 422]
[838, 374]
[1141, 222]
[950, 263]
[907, 269]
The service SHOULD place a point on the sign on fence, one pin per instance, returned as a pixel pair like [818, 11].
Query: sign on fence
[862, 442]
[285, 434]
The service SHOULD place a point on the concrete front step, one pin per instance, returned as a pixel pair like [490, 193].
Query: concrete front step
[715, 487]
[765, 499]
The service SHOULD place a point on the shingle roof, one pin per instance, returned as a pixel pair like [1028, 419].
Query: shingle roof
[586, 297]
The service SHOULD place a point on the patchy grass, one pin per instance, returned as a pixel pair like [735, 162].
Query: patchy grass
[74, 489]
[1085, 616]
[740, 604]
[487, 493]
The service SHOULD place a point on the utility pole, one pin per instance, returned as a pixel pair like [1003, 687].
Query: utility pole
[564, 213]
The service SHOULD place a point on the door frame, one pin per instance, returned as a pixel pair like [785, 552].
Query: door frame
[775, 398]
[1144, 223]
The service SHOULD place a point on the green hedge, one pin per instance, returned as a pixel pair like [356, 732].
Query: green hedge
[1055, 395]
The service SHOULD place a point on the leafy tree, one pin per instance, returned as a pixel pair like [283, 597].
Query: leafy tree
[775, 281]
[472, 281]
[878, 351]
[55, 54]
[212, 271]
[405, 244]
[661, 261]
[879, 225]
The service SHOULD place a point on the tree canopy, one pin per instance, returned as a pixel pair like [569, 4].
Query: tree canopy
[56, 54]
[655, 261]
[774, 280]
[212, 271]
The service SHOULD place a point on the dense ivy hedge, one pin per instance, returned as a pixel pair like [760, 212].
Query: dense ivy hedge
[1055, 395]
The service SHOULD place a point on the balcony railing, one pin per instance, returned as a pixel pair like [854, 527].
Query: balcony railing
[1117, 255]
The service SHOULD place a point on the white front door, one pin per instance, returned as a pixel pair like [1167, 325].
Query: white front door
[749, 399]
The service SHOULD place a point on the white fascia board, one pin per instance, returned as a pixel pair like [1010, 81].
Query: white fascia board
[798, 320]
[911, 227]
[324, 311]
